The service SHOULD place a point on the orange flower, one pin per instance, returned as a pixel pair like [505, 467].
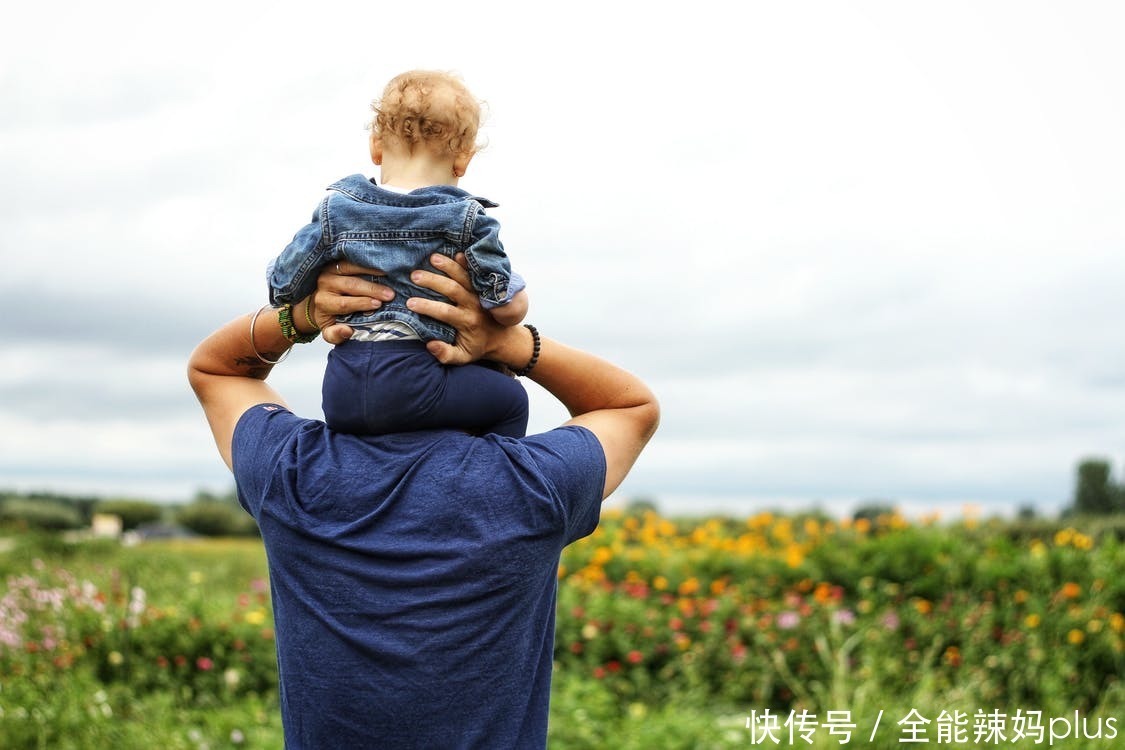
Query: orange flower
[1070, 590]
[1075, 636]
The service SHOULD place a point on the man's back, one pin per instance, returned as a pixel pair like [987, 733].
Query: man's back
[414, 576]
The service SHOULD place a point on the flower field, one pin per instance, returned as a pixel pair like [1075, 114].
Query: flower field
[672, 633]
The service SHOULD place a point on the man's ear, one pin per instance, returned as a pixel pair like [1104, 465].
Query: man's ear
[461, 164]
[376, 145]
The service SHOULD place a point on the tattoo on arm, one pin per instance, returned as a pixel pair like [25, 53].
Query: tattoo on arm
[252, 367]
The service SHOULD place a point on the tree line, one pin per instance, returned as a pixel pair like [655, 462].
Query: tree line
[1096, 493]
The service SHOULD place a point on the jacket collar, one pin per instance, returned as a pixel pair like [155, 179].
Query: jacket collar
[362, 189]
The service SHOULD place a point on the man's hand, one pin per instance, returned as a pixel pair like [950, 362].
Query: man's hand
[341, 290]
[478, 335]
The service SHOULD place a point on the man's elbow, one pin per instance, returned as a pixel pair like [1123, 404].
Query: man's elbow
[648, 415]
[197, 374]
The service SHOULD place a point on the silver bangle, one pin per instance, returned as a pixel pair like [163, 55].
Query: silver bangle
[254, 346]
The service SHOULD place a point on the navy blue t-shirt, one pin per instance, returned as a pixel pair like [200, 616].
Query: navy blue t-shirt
[413, 576]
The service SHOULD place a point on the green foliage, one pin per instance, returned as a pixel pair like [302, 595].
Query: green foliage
[40, 514]
[870, 510]
[209, 517]
[1094, 491]
[864, 615]
[670, 632]
[133, 513]
[160, 645]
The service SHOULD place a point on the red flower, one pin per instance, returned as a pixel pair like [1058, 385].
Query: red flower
[635, 657]
[614, 666]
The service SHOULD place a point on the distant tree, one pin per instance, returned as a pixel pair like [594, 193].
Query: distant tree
[53, 514]
[132, 512]
[870, 510]
[216, 518]
[638, 506]
[1094, 492]
[230, 496]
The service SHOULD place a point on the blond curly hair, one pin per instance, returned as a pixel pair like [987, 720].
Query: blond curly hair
[430, 108]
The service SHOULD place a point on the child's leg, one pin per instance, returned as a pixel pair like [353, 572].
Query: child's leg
[483, 400]
[375, 388]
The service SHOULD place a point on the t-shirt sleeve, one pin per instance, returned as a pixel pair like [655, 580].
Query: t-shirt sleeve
[572, 460]
[262, 433]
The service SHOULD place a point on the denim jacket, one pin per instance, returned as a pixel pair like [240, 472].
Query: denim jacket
[396, 233]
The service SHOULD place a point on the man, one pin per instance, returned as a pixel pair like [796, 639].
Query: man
[413, 575]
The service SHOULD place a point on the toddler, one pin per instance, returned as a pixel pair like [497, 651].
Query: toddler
[383, 379]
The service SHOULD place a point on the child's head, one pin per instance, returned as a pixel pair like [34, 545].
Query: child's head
[427, 109]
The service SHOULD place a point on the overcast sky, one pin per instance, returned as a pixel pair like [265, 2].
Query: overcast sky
[859, 249]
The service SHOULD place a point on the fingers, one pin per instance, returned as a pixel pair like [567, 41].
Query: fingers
[458, 317]
[452, 281]
[337, 333]
[344, 292]
[447, 354]
[347, 268]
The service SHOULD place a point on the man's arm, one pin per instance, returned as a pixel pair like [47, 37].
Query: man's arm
[226, 371]
[615, 405]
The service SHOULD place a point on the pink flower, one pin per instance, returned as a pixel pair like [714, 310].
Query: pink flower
[788, 620]
[204, 664]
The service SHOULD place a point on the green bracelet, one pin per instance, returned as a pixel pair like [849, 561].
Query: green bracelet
[288, 330]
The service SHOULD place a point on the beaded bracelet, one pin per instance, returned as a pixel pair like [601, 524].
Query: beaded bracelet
[289, 330]
[535, 343]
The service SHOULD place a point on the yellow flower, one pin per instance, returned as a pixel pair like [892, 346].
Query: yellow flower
[923, 606]
[115, 658]
[1083, 542]
[601, 556]
[1094, 626]
[1020, 596]
[689, 587]
[660, 583]
[1075, 636]
[590, 631]
[1117, 622]
[1031, 621]
[195, 577]
[256, 617]
[794, 556]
